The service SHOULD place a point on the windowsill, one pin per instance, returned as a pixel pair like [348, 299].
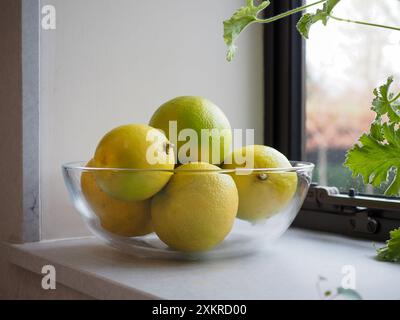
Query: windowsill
[289, 270]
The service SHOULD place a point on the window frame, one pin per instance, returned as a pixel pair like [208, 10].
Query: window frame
[19, 119]
[324, 209]
[30, 61]
[284, 111]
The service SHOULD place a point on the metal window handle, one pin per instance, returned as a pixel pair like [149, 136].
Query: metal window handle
[362, 222]
[362, 214]
[332, 196]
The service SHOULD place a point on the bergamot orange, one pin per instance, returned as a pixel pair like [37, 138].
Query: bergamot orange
[196, 210]
[198, 114]
[129, 219]
[261, 194]
[133, 146]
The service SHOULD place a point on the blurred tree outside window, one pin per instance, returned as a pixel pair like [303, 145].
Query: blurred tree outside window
[344, 63]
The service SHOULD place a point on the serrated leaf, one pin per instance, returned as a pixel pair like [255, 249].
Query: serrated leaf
[374, 159]
[394, 187]
[391, 251]
[308, 19]
[238, 22]
[376, 130]
[330, 5]
[378, 152]
[304, 24]
[383, 104]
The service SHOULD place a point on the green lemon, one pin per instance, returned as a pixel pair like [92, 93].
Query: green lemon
[262, 195]
[133, 146]
[196, 113]
[128, 219]
[196, 210]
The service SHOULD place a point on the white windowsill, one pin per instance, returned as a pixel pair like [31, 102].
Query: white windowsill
[287, 271]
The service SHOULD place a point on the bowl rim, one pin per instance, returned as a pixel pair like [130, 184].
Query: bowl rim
[296, 166]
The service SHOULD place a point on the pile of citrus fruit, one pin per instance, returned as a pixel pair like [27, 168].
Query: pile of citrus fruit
[190, 205]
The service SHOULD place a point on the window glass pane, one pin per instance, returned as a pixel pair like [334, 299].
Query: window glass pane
[344, 63]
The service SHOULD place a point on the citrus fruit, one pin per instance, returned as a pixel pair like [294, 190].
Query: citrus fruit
[196, 210]
[129, 219]
[198, 114]
[262, 195]
[133, 146]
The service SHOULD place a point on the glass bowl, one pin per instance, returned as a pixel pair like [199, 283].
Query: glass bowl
[244, 238]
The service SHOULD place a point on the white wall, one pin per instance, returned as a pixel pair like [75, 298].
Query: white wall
[111, 62]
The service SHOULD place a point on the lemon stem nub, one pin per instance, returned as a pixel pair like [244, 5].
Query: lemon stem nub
[168, 147]
[262, 176]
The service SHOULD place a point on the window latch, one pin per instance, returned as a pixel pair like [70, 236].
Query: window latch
[331, 197]
[363, 212]
[361, 215]
[360, 219]
[363, 222]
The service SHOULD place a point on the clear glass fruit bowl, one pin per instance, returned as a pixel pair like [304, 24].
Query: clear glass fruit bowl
[267, 199]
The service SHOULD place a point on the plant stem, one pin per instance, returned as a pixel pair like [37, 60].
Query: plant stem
[365, 23]
[288, 13]
[395, 98]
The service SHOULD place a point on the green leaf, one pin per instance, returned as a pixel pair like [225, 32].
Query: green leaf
[348, 294]
[391, 252]
[374, 159]
[378, 152]
[305, 23]
[329, 5]
[383, 104]
[238, 22]
[376, 130]
[308, 19]
[394, 187]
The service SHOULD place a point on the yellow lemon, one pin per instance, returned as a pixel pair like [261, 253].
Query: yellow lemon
[197, 114]
[129, 219]
[133, 146]
[262, 195]
[196, 210]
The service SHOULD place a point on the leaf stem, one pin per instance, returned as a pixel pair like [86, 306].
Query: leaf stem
[395, 98]
[288, 13]
[365, 23]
